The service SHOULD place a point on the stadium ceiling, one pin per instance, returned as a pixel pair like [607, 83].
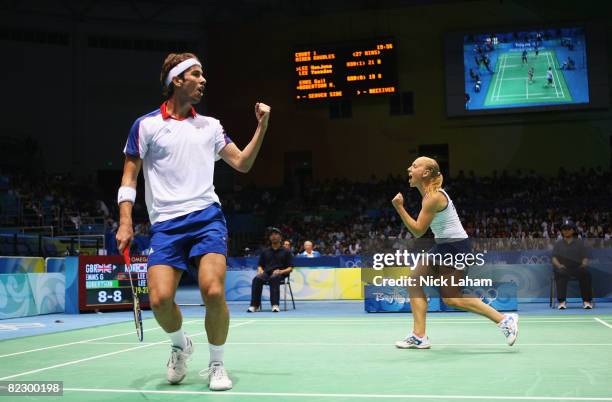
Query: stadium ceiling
[191, 12]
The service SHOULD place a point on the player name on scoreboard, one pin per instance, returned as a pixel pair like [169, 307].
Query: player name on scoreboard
[341, 71]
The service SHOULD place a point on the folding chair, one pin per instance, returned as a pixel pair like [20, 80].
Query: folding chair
[286, 281]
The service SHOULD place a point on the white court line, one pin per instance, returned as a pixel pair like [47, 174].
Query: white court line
[387, 344]
[328, 395]
[496, 83]
[603, 322]
[8, 326]
[85, 359]
[532, 94]
[407, 319]
[558, 80]
[502, 77]
[533, 97]
[516, 55]
[371, 321]
[84, 341]
[539, 97]
[496, 77]
[102, 355]
[553, 67]
[521, 78]
[527, 87]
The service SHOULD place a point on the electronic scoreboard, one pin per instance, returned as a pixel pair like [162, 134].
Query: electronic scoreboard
[345, 70]
[104, 283]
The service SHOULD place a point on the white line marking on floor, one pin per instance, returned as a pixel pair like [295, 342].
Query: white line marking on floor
[408, 321]
[84, 341]
[8, 326]
[522, 78]
[556, 73]
[103, 355]
[349, 344]
[406, 318]
[339, 395]
[551, 64]
[603, 322]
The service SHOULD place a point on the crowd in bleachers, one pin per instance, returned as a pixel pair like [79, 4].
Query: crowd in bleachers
[506, 211]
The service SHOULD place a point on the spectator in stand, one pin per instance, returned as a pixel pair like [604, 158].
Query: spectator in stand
[354, 247]
[309, 250]
[568, 64]
[473, 75]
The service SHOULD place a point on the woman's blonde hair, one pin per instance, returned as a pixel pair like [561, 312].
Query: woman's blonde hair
[436, 178]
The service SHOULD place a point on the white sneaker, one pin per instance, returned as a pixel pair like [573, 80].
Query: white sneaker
[218, 380]
[177, 364]
[510, 328]
[253, 309]
[275, 309]
[413, 342]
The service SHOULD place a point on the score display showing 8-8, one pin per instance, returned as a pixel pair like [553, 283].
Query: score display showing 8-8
[107, 296]
[103, 296]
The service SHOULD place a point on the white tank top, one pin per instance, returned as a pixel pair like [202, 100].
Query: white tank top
[446, 225]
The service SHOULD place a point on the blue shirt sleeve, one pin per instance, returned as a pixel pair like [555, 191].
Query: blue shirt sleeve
[132, 147]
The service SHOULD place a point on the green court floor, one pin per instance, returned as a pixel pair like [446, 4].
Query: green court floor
[280, 358]
[510, 86]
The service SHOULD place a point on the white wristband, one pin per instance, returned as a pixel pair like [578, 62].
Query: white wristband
[126, 193]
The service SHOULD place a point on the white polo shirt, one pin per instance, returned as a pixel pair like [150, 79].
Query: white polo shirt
[179, 158]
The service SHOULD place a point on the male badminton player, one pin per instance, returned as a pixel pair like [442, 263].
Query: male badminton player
[439, 214]
[549, 77]
[178, 149]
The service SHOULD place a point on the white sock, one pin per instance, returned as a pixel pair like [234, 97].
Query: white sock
[216, 353]
[178, 339]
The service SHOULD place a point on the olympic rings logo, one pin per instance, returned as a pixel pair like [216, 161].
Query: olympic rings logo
[488, 296]
[352, 264]
[535, 259]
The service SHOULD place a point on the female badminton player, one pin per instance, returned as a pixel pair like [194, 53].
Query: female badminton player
[439, 214]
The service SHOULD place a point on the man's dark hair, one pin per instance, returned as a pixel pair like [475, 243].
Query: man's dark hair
[171, 61]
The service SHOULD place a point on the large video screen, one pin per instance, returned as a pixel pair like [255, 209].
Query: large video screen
[523, 70]
[526, 68]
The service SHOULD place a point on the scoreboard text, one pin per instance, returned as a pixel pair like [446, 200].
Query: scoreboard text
[342, 71]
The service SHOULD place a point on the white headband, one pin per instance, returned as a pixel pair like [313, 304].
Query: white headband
[179, 68]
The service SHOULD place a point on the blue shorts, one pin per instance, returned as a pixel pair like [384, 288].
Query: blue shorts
[175, 241]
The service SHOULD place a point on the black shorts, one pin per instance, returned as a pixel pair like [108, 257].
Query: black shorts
[452, 248]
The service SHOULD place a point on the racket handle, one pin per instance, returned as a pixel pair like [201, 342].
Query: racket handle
[126, 255]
